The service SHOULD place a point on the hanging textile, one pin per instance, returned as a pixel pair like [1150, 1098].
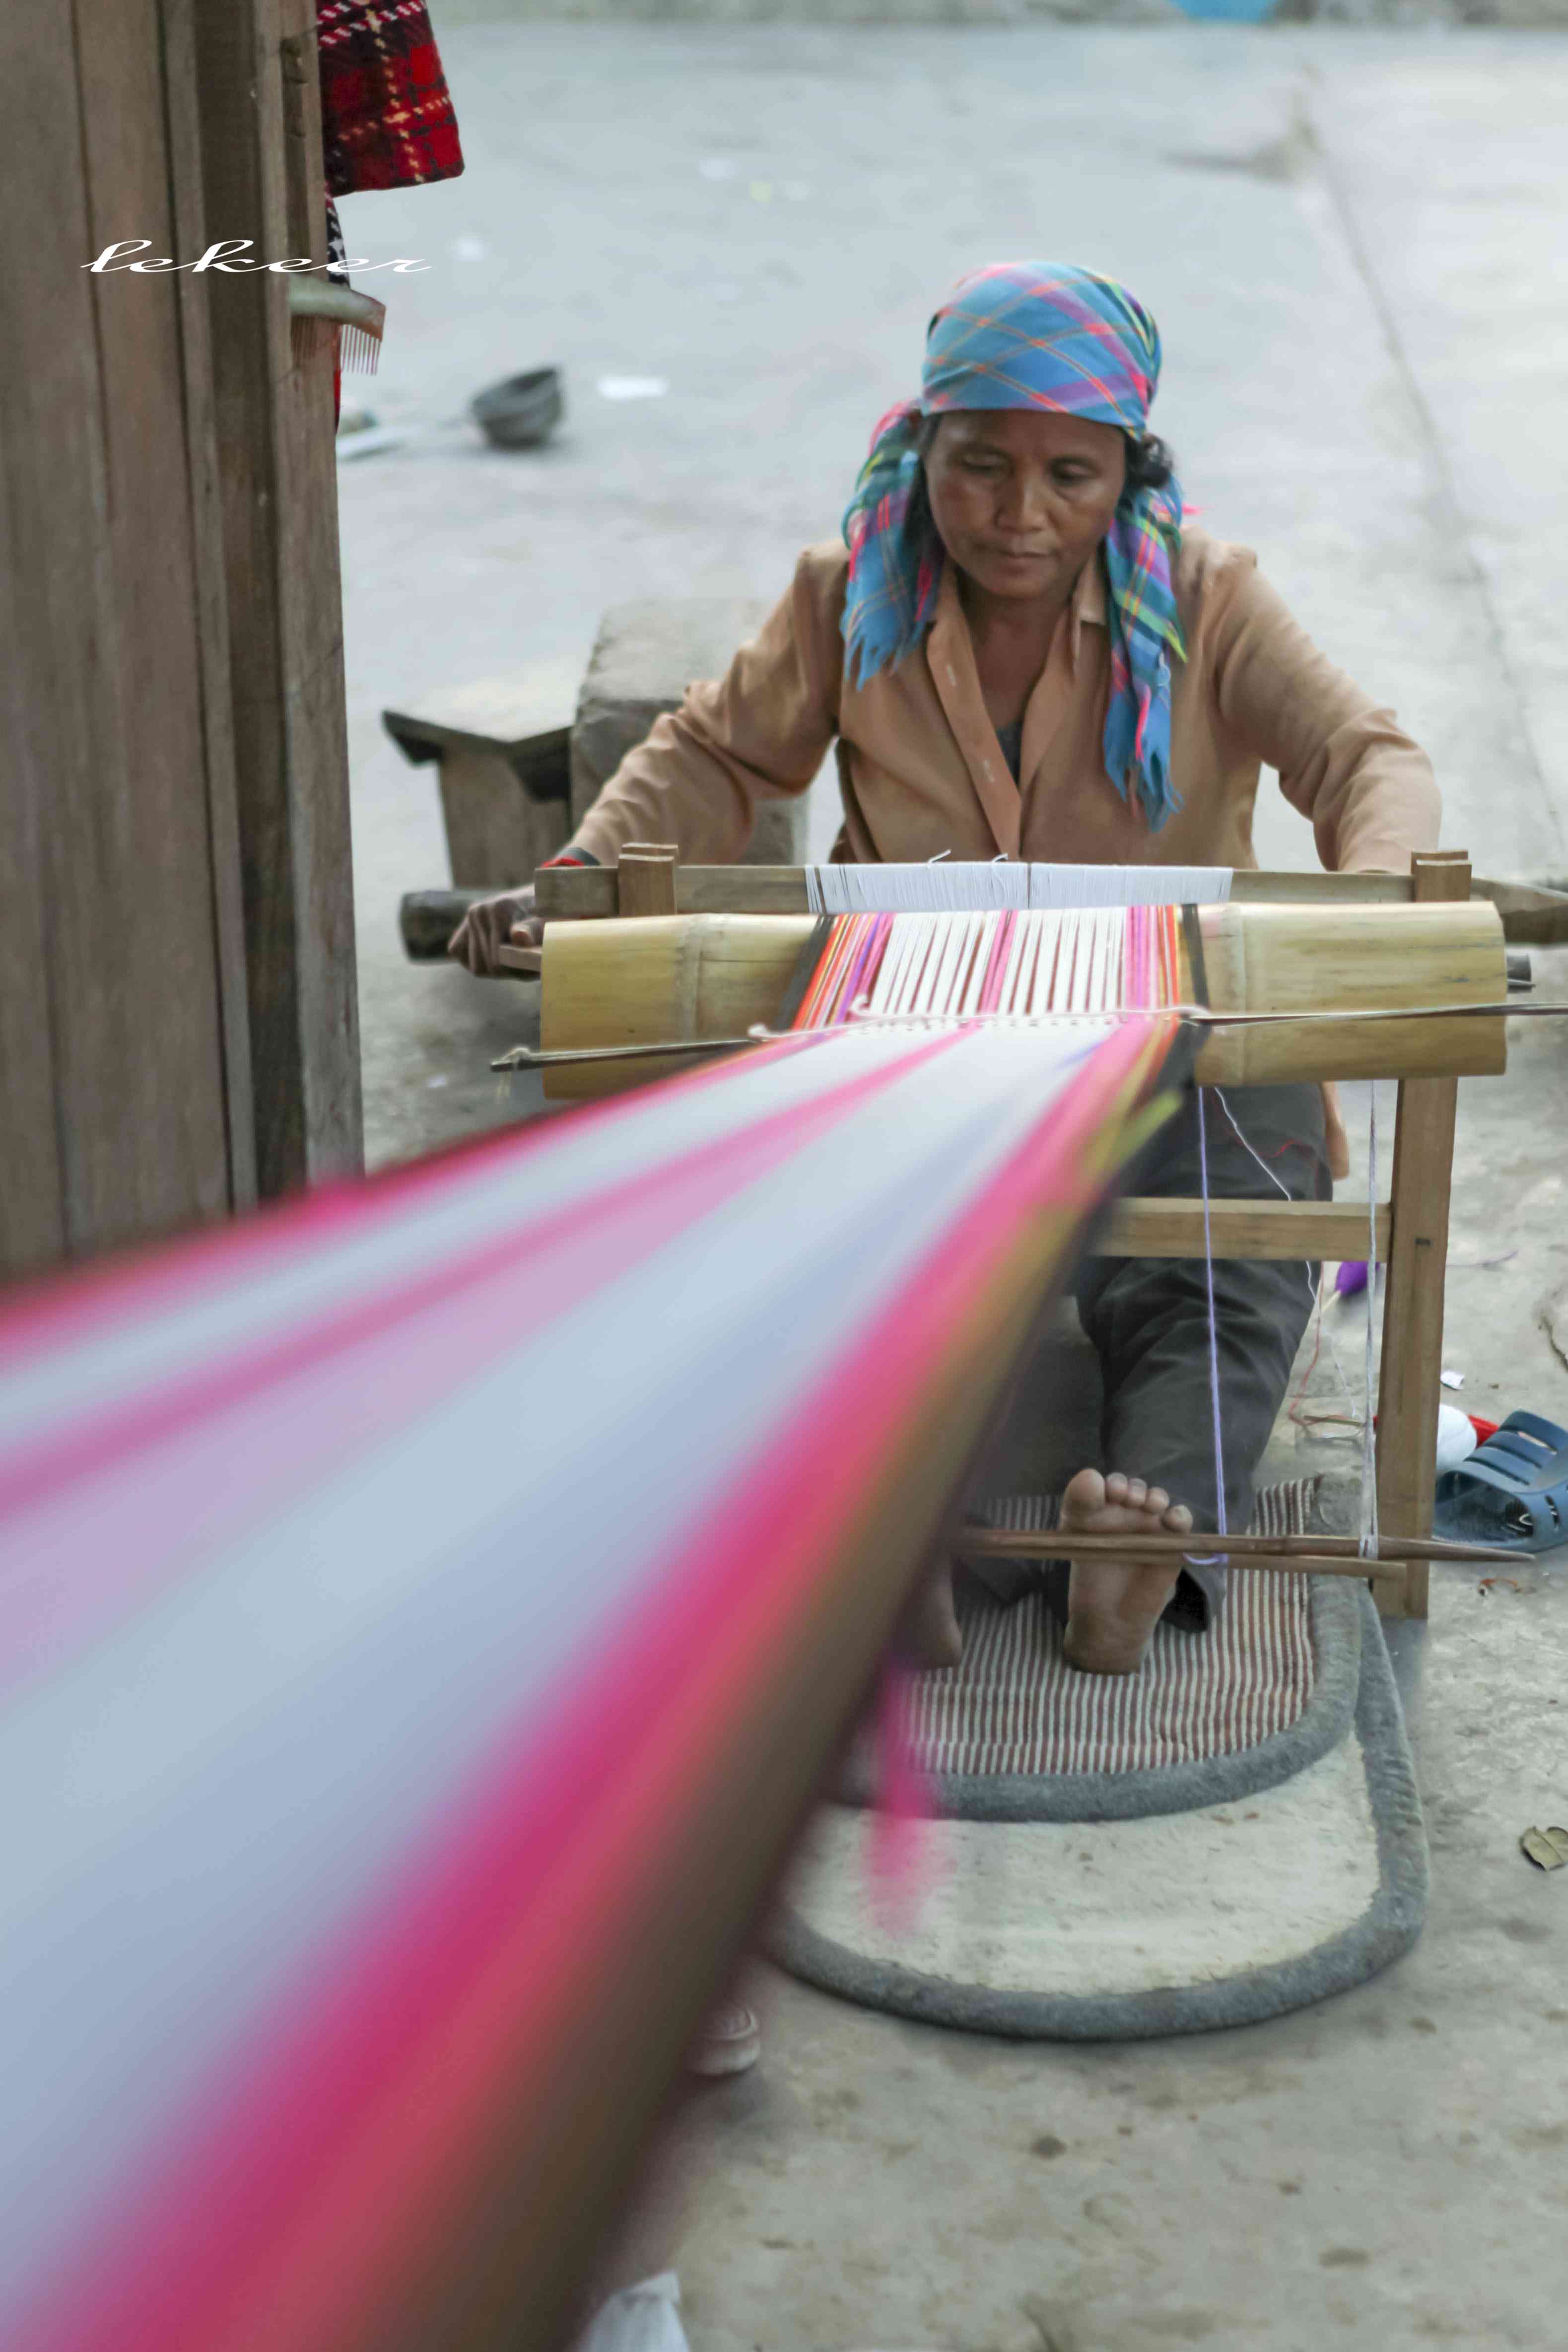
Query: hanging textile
[387, 118]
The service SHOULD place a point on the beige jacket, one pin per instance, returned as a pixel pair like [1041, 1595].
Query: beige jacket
[921, 770]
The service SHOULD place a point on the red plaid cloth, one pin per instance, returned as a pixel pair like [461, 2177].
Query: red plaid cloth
[386, 115]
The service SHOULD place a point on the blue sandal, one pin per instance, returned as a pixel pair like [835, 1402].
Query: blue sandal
[1512, 1491]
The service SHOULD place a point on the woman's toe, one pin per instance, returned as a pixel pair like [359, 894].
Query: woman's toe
[1116, 1487]
[1157, 1502]
[1083, 1493]
[1178, 1518]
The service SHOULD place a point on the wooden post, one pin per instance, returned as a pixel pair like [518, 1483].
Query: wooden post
[178, 1016]
[125, 1084]
[645, 875]
[1409, 1388]
[261, 148]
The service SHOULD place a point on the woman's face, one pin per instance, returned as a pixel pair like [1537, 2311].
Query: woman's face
[1022, 498]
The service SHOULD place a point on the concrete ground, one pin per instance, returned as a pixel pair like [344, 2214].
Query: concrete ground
[1352, 243]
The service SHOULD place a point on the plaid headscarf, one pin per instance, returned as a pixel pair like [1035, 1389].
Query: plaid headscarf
[1031, 334]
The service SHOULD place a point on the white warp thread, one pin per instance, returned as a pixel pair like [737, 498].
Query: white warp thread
[1368, 1544]
[961, 886]
[1368, 1530]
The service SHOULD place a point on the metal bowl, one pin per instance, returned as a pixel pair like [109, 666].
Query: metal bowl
[522, 412]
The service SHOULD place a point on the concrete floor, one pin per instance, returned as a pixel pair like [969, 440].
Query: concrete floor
[1352, 243]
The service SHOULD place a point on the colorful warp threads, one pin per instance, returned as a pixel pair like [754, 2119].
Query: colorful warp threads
[1014, 963]
[391, 1589]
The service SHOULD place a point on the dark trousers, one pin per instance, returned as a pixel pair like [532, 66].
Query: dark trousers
[1148, 1321]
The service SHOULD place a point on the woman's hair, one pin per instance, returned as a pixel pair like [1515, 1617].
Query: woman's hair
[1150, 463]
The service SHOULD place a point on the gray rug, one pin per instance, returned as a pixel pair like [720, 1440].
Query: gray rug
[1306, 1878]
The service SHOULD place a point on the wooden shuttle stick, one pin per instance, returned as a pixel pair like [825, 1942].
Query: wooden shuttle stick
[1391, 1572]
[529, 1057]
[1049, 1543]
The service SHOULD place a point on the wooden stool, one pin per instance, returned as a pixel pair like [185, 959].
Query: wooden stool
[505, 783]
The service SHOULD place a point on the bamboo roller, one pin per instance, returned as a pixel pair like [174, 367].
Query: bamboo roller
[662, 978]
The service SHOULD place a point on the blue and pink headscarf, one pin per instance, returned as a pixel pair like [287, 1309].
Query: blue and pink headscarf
[1031, 334]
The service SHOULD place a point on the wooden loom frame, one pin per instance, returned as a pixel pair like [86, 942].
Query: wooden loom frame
[1412, 1224]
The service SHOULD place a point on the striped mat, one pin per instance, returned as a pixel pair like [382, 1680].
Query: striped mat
[1015, 1707]
[1274, 1878]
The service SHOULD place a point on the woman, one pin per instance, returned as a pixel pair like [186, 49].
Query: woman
[1023, 648]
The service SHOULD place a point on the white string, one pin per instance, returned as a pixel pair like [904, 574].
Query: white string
[1282, 1189]
[967, 887]
[1220, 1527]
[1315, 1290]
[1368, 1544]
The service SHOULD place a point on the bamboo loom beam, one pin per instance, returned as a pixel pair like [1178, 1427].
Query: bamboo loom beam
[699, 980]
[1530, 916]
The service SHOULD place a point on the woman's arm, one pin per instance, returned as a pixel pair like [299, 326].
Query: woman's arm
[1343, 762]
[761, 733]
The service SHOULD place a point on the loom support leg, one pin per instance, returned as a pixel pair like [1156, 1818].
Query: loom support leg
[1412, 1300]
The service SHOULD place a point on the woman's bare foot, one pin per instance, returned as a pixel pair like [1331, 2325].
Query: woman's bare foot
[1111, 1609]
[928, 1634]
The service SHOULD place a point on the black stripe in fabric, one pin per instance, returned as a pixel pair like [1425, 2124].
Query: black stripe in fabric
[1192, 931]
[806, 964]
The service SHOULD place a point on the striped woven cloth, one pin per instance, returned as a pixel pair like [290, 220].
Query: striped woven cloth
[1016, 1707]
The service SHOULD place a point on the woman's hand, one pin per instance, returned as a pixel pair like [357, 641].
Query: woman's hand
[491, 924]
